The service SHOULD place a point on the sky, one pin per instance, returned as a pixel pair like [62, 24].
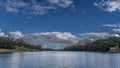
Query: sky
[58, 22]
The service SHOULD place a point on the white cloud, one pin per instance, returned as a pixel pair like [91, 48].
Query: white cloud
[53, 37]
[112, 25]
[15, 35]
[2, 34]
[116, 30]
[115, 26]
[33, 6]
[97, 35]
[37, 8]
[116, 35]
[12, 5]
[61, 3]
[108, 5]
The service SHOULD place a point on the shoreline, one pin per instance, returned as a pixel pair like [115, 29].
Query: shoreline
[15, 50]
[34, 50]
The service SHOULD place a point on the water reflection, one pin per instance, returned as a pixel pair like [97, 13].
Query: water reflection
[15, 60]
[58, 59]
[9, 60]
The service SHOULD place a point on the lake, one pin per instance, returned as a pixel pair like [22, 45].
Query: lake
[59, 59]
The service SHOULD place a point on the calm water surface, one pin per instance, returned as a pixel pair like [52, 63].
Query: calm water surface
[59, 59]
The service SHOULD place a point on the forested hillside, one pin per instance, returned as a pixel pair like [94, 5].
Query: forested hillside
[7, 43]
[98, 45]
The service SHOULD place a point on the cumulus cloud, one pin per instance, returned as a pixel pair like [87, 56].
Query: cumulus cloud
[34, 6]
[108, 5]
[116, 35]
[96, 35]
[53, 37]
[2, 34]
[15, 35]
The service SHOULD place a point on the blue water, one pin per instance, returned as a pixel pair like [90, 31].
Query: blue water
[59, 59]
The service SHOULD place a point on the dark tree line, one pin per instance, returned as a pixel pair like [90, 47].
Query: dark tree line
[98, 45]
[7, 43]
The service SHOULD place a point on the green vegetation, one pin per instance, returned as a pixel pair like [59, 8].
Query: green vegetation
[7, 43]
[98, 45]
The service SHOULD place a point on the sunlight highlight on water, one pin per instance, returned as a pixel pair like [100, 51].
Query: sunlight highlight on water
[59, 59]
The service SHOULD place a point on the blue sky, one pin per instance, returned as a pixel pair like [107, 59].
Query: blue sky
[85, 18]
[74, 16]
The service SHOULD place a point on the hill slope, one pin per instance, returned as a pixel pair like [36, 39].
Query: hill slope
[98, 45]
[7, 44]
